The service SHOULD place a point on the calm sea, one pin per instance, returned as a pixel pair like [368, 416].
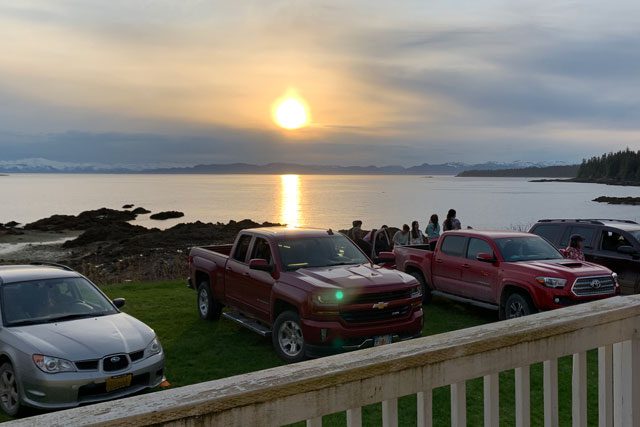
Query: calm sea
[311, 200]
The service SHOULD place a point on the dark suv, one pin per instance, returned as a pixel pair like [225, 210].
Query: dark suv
[610, 242]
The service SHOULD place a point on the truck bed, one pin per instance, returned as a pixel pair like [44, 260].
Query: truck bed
[218, 249]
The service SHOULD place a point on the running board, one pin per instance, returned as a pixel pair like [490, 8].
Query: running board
[465, 300]
[247, 322]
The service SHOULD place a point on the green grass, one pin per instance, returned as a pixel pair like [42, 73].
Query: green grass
[198, 351]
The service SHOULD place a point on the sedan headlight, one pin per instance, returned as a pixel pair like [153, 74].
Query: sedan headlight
[552, 282]
[153, 348]
[53, 365]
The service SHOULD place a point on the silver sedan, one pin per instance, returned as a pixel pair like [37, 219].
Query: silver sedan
[64, 343]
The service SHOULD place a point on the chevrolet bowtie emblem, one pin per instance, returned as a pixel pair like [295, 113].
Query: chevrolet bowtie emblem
[380, 305]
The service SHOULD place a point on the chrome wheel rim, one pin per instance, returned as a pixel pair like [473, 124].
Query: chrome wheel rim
[516, 309]
[290, 338]
[8, 392]
[203, 302]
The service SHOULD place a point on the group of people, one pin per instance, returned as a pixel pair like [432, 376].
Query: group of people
[380, 241]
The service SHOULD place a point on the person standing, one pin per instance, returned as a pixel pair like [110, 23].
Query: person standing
[415, 236]
[401, 238]
[355, 232]
[433, 231]
[451, 223]
[574, 250]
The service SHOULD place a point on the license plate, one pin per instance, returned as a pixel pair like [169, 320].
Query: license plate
[121, 381]
[382, 340]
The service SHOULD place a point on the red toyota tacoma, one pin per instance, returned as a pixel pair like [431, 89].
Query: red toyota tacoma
[313, 291]
[515, 273]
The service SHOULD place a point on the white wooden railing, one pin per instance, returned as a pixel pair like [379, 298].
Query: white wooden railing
[309, 390]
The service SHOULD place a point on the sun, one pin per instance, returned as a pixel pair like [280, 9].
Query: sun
[290, 111]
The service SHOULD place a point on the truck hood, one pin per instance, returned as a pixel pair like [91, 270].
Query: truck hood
[354, 276]
[564, 267]
[85, 339]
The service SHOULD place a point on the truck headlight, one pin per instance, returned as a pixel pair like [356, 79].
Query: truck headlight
[328, 298]
[615, 278]
[552, 282]
[53, 365]
[153, 348]
[416, 292]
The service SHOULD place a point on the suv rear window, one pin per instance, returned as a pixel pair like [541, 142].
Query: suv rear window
[242, 248]
[453, 245]
[551, 232]
[586, 232]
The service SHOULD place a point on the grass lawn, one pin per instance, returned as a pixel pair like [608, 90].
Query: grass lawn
[199, 351]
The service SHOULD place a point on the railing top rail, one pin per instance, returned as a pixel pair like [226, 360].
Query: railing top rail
[262, 386]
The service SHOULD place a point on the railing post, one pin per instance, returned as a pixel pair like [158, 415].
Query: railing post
[314, 422]
[390, 413]
[523, 397]
[630, 383]
[605, 386]
[579, 390]
[459, 404]
[425, 408]
[550, 380]
[354, 417]
[492, 400]
[618, 373]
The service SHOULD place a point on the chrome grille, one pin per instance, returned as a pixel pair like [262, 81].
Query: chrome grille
[591, 286]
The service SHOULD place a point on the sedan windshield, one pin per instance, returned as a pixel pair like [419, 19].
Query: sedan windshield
[529, 248]
[52, 300]
[319, 252]
[636, 234]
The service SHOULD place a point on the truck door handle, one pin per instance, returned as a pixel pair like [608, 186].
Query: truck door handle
[245, 274]
[229, 269]
[465, 266]
[439, 261]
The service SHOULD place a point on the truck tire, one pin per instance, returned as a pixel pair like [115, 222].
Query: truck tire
[517, 305]
[9, 394]
[287, 337]
[208, 307]
[426, 290]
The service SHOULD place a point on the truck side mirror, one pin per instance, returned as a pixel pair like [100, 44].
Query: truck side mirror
[485, 257]
[627, 250]
[385, 257]
[260, 265]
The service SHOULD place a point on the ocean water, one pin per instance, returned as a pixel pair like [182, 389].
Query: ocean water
[327, 201]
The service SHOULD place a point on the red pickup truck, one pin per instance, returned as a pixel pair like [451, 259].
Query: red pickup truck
[515, 273]
[313, 291]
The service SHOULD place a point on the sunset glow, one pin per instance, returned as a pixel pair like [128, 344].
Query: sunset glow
[291, 112]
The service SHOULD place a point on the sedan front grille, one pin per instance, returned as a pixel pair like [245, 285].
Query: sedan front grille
[116, 362]
[593, 286]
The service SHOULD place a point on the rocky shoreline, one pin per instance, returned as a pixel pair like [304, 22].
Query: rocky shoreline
[618, 200]
[106, 247]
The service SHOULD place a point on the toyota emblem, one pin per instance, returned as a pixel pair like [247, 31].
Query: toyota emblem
[595, 284]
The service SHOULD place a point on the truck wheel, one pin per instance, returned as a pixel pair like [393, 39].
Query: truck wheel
[426, 290]
[9, 396]
[517, 305]
[208, 307]
[287, 337]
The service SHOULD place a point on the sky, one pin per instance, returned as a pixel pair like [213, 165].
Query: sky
[386, 82]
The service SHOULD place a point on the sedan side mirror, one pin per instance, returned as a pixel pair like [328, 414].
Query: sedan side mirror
[485, 257]
[119, 302]
[260, 265]
[627, 250]
[385, 257]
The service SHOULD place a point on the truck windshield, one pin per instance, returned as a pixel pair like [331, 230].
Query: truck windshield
[319, 252]
[528, 248]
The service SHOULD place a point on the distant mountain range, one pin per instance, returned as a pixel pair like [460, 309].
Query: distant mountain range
[564, 171]
[50, 166]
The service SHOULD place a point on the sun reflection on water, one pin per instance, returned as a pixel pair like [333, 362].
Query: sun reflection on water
[290, 204]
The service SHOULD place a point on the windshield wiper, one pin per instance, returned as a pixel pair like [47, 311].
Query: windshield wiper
[25, 322]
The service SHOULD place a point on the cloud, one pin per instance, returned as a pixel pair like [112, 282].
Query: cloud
[388, 83]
